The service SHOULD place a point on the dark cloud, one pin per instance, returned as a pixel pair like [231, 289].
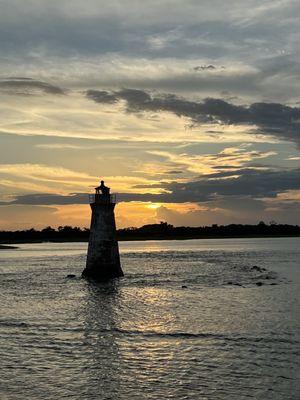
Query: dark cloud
[98, 41]
[28, 86]
[174, 172]
[101, 96]
[230, 167]
[243, 183]
[51, 199]
[73, 198]
[206, 28]
[270, 118]
[135, 98]
[204, 67]
[252, 183]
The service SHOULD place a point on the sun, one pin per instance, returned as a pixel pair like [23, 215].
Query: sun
[153, 206]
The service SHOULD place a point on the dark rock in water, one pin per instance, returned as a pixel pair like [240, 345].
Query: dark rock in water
[184, 287]
[234, 283]
[71, 276]
[259, 283]
[256, 268]
[272, 284]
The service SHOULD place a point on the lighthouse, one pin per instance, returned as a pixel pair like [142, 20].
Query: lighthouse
[103, 259]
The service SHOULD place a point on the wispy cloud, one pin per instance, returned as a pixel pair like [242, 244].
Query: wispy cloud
[273, 119]
[63, 146]
[245, 183]
[53, 179]
[28, 86]
[294, 158]
[229, 158]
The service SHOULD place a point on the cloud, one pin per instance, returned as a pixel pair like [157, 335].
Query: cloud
[241, 183]
[93, 42]
[26, 216]
[174, 172]
[63, 146]
[28, 86]
[46, 173]
[228, 158]
[49, 199]
[204, 67]
[273, 119]
[96, 26]
[101, 96]
[43, 178]
[75, 198]
[245, 183]
[235, 65]
[217, 214]
[294, 158]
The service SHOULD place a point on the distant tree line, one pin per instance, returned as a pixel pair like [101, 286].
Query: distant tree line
[162, 230]
[48, 234]
[167, 231]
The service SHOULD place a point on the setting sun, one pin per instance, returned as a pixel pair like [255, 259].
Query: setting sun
[153, 206]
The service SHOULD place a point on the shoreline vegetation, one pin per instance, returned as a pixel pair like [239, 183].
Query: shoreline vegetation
[161, 231]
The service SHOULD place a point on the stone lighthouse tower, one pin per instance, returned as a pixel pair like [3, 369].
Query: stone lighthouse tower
[103, 260]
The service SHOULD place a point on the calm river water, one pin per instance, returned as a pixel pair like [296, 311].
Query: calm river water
[190, 320]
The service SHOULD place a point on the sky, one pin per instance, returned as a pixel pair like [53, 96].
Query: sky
[188, 109]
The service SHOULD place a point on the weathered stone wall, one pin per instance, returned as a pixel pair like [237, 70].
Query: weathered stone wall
[103, 260]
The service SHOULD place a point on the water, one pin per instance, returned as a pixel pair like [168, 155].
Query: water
[145, 336]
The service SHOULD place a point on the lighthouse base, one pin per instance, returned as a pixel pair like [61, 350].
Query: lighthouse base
[104, 273]
[103, 261]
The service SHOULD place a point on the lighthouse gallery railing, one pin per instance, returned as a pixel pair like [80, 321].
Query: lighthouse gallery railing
[103, 199]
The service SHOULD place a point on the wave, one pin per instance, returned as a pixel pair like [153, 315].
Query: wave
[17, 324]
[191, 335]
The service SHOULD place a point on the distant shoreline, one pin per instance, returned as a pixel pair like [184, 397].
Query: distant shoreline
[161, 231]
[6, 247]
[9, 245]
